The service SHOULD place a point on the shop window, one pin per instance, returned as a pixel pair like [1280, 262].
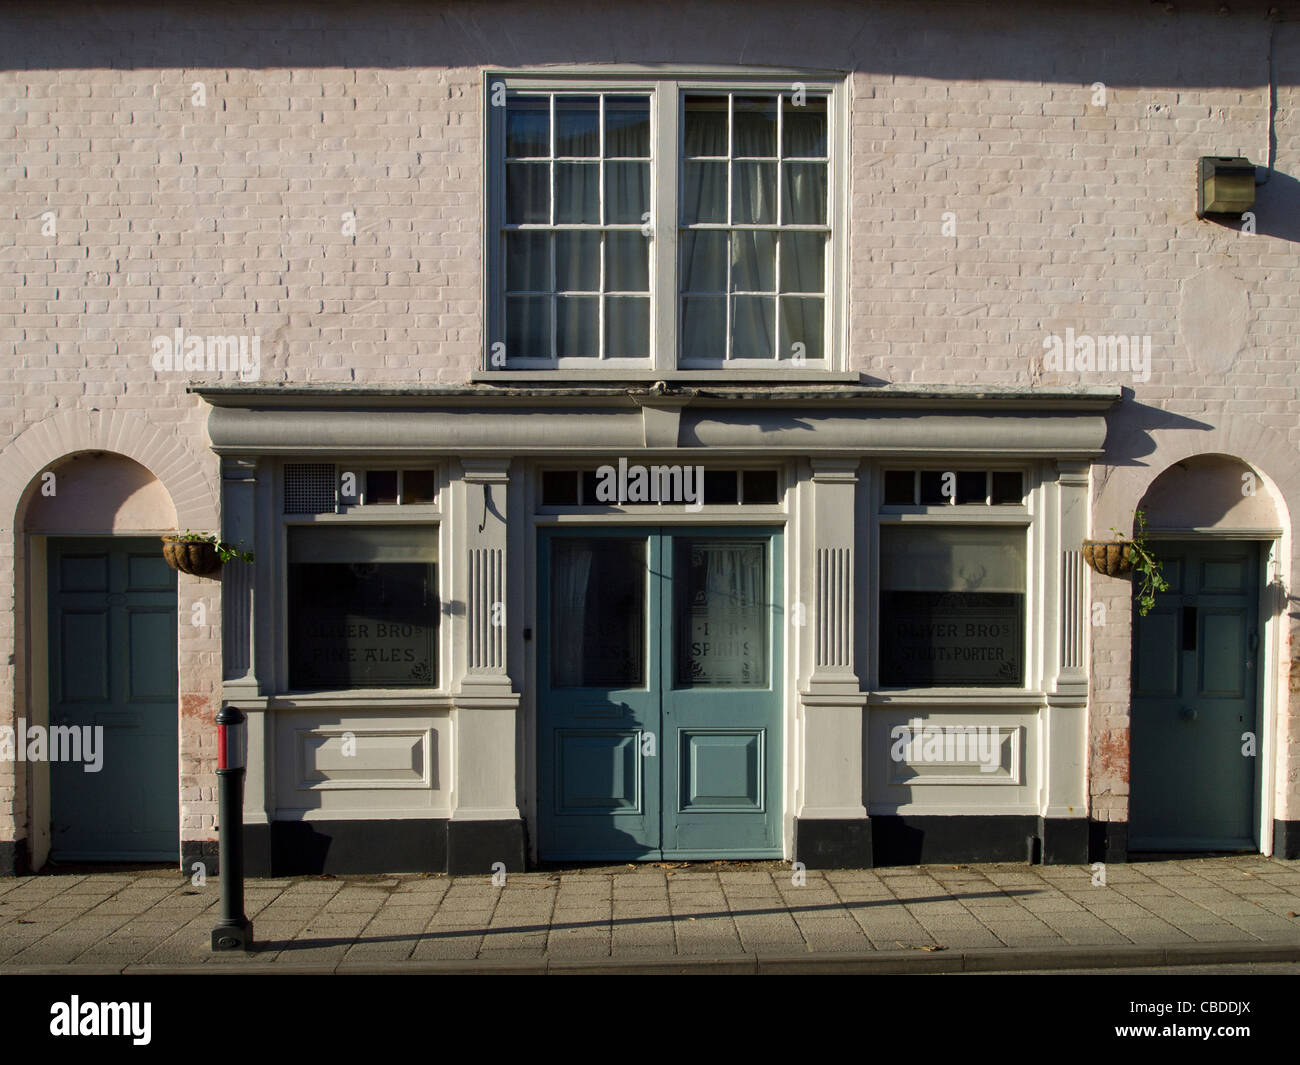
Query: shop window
[362, 607]
[952, 606]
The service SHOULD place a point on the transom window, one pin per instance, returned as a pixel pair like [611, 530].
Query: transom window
[662, 223]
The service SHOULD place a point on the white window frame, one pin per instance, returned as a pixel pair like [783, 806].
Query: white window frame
[667, 88]
[1024, 517]
[428, 515]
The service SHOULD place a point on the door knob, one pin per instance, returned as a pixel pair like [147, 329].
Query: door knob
[1187, 713]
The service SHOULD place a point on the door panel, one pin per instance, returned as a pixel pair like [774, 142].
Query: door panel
[598, 695]
[723, 708]
[658, 696]
[1195, 696]
[112, 658]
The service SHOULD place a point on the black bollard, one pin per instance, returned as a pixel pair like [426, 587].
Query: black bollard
[235, 931]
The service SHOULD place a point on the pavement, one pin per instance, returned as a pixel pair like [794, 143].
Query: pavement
[741, 917]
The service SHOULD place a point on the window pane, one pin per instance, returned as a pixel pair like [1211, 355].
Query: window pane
[932, 484]
[577, 262]
[627, 192]
[363, 607]
[627, 262]
[1008, 488]
[704, 261]
[419, 486]
[577, 126]
[704, 327]
[952, 606]
[802, 322]
[528, 262]
[577, 326]
[627, 126]
[972, 486]
[720, 594]
[704, 192]
[705, 122]
[597, 612]
[577, 192]
[753, 261]
[753, 193]
[804, 128]
[720, 486]
[627, 326]
[755, 132]
[900, 487]
[528, 327]
[381, 486]
[560, 488]
[528, 197]
[803, 262]
[804, 195]
[528, 126]
[760, 486]
[754, 319]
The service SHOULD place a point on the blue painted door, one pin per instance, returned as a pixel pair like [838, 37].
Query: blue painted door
[1195, 741]
[112, 652]
[659, 693]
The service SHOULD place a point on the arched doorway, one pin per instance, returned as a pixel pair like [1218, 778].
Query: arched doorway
[1198, 711]
[103, 647]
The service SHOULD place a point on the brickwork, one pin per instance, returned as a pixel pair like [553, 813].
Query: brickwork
[200, 167]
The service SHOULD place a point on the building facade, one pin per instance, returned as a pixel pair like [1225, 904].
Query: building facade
[661, 432]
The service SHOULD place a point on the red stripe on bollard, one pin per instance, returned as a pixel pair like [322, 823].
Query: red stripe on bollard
[221, 746]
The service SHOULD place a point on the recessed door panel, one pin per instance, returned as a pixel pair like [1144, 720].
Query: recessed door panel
[599, 771]
[722, 770]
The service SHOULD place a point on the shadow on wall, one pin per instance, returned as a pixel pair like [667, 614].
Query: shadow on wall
[1276, 210]
[1124, 46]
[1129, 428]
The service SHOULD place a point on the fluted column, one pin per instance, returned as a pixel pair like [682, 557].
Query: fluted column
[486, 827]
[831, 827]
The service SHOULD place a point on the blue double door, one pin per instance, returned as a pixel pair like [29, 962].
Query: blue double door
[659, 696]
[113, 678]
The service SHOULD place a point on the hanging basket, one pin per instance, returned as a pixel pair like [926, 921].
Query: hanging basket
[1111, 558]
[196, 557]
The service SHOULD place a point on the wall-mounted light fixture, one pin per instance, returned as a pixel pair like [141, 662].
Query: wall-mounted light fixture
[1225, 185]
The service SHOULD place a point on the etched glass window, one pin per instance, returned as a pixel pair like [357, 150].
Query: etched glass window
[952, 606]
[362, 607]
[721, 605]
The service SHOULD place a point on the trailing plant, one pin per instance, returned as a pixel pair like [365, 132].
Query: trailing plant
[226, 551]
[1145, 565]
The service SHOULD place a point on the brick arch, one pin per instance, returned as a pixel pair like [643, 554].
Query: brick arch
[1270, 454]
[157, 448]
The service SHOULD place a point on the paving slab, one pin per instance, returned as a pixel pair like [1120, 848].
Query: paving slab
[665, 916]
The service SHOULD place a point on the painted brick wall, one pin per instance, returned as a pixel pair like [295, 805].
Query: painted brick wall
[226, 217]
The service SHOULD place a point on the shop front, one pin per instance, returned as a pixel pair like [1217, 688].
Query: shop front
[487, 624]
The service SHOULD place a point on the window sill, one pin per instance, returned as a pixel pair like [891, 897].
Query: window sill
[690, 377]
[380, 698]
[980, 697]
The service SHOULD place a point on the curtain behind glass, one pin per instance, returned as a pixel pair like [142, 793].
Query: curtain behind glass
[721, 613]
[570, 571]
